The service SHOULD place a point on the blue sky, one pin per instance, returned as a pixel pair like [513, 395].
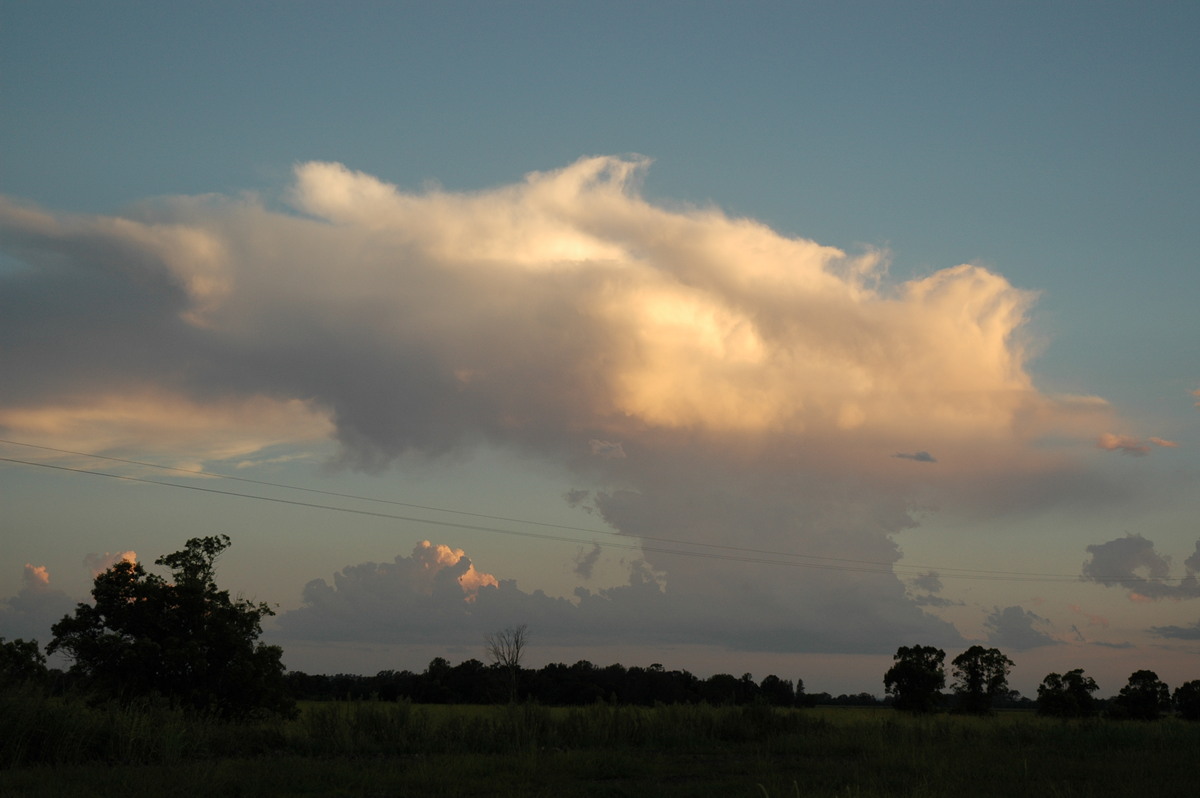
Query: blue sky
[674, 276]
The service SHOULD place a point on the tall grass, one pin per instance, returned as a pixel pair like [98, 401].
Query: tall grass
[65, 746]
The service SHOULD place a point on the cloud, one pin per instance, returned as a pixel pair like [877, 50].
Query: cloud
[564, 304]
[399, 603]
[1132, 563]
[710, 380]
[606, 449]
[1178, 632]
[931, 584]
[586, 563]
[1119, 646]
[99, 563]
[1016, 628]
[1092, 619]
[1127, 444]
[35, 608]
[920, 457]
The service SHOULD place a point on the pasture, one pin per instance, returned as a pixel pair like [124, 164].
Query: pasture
[58, 747]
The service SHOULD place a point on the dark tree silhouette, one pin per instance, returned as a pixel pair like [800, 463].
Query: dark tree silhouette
[1145, 697]
[777, 692]
[505, 650]
[1187, 700]
[21, 661]
[980, 677]
[184, 639]
[916, 680]
[1067, 695]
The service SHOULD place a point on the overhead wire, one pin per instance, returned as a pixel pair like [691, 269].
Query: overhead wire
[741, 551]
[718, 551]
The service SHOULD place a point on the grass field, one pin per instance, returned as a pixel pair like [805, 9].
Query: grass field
[52, 747]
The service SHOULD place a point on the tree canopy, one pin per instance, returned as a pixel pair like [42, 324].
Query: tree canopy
[183, 639]
[1067, 695]
[1187, 700]
[1145, 697]
[980, 677]
[21, 661]
[915, 681]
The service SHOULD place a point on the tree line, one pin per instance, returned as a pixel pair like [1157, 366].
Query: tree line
[915, 682]
[187, 642]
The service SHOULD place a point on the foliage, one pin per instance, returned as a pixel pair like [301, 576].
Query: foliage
[1187, 700]
[980, 677]
[1145, 697]
[184, 640]
[915, 681]
[1068, 695]
[21, 661]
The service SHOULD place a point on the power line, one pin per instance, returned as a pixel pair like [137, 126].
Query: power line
[723, 552]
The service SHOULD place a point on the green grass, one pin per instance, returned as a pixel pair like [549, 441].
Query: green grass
[56, 747]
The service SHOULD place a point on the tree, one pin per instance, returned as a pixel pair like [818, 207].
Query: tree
[777, 692]
[21, 661]
[1187, 699]
[980, 677]
[1068, 695]
[505, 650]
[1145, 697]
[184, 639]
[916, 679]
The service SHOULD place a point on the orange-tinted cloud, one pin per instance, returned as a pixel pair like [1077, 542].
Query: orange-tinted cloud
[1126, 444]
[36, 576]
[99, 563]
[708, 378]
[434, 558]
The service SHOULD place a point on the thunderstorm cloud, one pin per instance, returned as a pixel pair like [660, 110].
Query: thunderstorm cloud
[708, 379]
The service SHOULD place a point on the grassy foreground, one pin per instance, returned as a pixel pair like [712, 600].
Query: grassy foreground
[52, 747]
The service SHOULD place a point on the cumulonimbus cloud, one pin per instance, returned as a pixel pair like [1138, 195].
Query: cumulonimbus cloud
[565, 302]
[708, 378]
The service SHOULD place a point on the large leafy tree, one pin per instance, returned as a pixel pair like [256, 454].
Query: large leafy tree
[1187, 700]
[916, 680]
[980, 676]
[21, 661]
[1145, 697]
[1067, 695]
[183, 638]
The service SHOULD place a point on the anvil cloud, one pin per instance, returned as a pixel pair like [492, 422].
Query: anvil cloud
[706, 379]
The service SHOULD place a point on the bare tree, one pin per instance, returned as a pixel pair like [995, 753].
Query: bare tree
[505, 649]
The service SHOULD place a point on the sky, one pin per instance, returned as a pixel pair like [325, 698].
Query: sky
[735, 337]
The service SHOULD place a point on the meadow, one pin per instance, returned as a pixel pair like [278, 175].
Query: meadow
[53, 746]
